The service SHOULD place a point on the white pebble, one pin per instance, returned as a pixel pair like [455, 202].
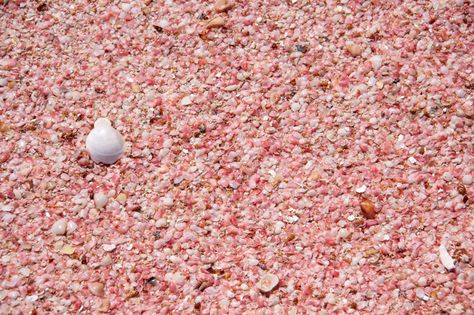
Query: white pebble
[420, 293]
[343, 233]
[447, 176]
[100, 200]
[344, 131]
[3, 82]
[108, 247]
[295, 106]
[268, 282]
[412, 160]
[362, 189]
[445, 258]
[422, 282]
[187, 100]
[467, 179]
[71, 227]
[59, 227]
[161, 223]
[293, 219]
[278, 227]
[167, 201]
[376, 61]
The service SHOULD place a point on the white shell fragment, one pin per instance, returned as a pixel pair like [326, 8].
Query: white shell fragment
[268, 282]
[100, 199]
[445, 258]
[104, 143]
[59, 227]
[362, 189]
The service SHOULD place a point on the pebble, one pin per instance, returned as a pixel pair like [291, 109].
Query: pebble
[279, 227]
[68, 250]
[4, 156]
[59, 227]
[376, 61]
[420, 293]
[3, 82]
[168, 201]
[268, 282]
[187, 100]
[108, 247]
[368, 209]
[121, 198]
[354, 50]
[217, 21]
[343, 233]
[106, 261]
[71, 227]
[100, 200]
[445, 258]
[222, 5]
[467, 180]
[161, 223]
[447, 176]
[295, 106]
[104, 306]
[361, 189]
[96, 288]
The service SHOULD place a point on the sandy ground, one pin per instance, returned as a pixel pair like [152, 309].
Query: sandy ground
[282, 157]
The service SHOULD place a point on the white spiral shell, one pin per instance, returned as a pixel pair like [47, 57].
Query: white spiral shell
[104, 143]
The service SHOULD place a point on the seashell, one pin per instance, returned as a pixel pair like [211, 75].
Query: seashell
[268, 282]
[446, 259]
[104, 143]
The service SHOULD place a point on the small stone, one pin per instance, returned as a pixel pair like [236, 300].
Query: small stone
[222, 5]
[4, 156]
[362, 189]
[376, 61]
[343, 233]
[100, 200]
[106, 261]
[301, 48]
[412, 160]
[278, 227]
[168, 201]
[461, 189]
[295, 106]
[3, 82]
[121, 198]
[187, 100]
[152, 281]
[59, 227]
[368, 209]
[71, 227]
[268, 282]
[96, 288]
[354, 50]
[447, 176]
[104, 306]
[136, 88]
[446, 259]
[108, 247]
[161, 223]
[67, 250]
[467, 180]
[215, 22]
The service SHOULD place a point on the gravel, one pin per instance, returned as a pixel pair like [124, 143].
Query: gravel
[250, 128]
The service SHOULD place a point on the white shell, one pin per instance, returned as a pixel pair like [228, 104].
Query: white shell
[268, 282]
[104, 143]
[445, 258]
